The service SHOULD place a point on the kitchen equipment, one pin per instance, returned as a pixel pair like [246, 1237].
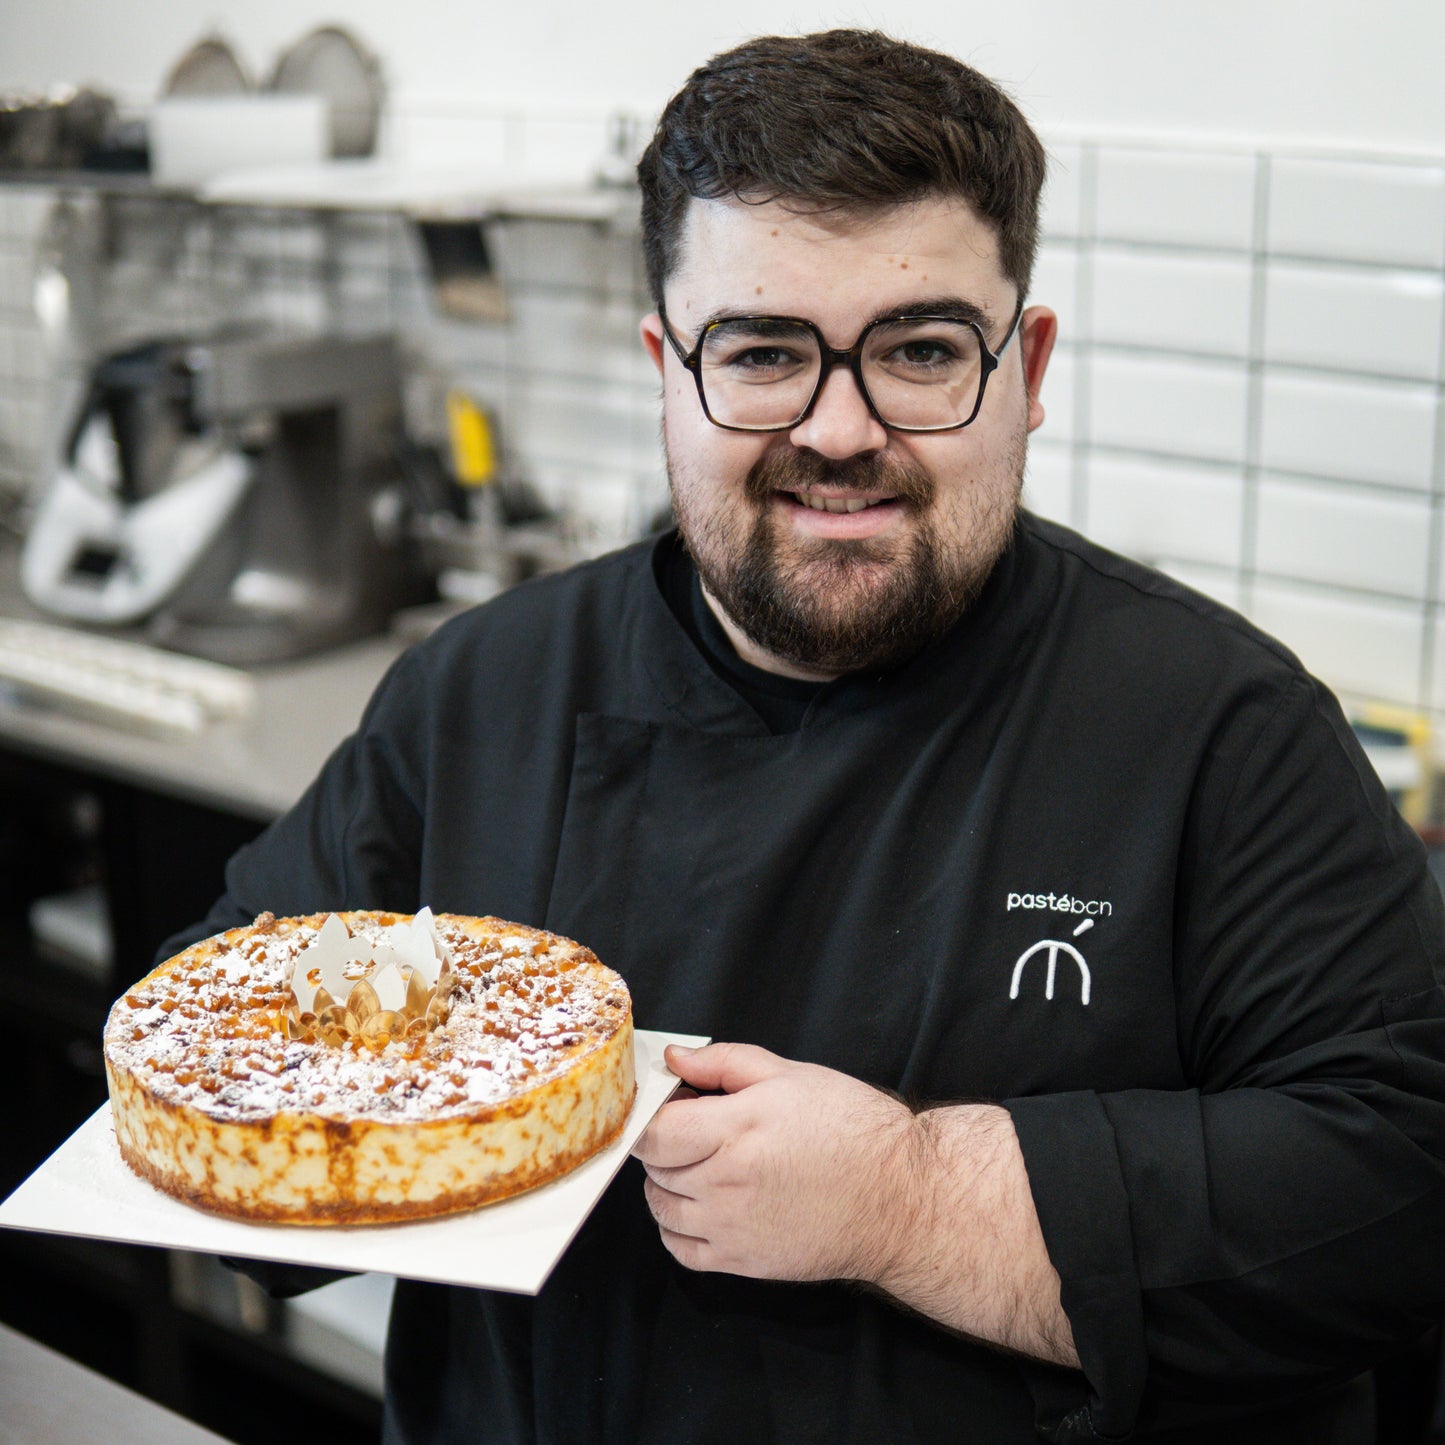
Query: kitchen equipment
[209, 67]
[333, 63]
[60, 130]
[143, 493]
[473, 442]
[465, 284]
[194, 138]
[228, 495]
[1399, 742]
[117, 680]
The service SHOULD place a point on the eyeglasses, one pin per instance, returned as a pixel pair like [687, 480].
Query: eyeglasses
[916, 373]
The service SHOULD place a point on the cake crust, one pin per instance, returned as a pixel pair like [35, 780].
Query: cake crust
[531, 1074]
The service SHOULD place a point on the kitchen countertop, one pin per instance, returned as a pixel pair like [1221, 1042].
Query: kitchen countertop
[46, 1399]
[254, 767]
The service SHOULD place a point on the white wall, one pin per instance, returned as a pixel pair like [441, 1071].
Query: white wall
[1336, 72]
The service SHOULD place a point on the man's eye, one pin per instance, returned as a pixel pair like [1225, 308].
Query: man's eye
[925, 353]
[764, 361]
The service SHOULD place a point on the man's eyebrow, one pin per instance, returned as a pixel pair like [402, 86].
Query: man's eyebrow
[742, 313]
[952, 308]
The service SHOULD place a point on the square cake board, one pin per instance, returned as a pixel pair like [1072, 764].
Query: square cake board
[86, 1189]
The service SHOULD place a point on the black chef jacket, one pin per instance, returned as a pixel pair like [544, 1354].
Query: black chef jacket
[1105, 854]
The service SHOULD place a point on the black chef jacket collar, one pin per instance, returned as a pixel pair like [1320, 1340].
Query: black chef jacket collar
[696, 695]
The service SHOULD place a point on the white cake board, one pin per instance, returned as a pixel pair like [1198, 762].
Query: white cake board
[86, 1189]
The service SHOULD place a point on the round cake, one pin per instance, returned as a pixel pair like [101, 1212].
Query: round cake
[360, 1068]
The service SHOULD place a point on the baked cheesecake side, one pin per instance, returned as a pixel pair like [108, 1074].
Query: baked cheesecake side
[530, 1074]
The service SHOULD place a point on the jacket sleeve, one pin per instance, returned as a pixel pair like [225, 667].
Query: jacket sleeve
[1276, 1226]
[353, 841]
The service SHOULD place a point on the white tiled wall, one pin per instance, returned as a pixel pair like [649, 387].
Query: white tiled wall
[24, 352]
[1247, 390]
[1345, 318]
[1330, 534]
[1373, 647]
[1156, 510]
[1380, 214]
[1179, 301]
[1168, 404]
[1183, 199]
[1254, 390]
[1351, 428]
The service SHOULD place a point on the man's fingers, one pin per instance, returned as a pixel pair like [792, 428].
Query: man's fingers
[683, 1131]
[728, 1067]
[689, 1252]
[677, 1218]
[671, 1211]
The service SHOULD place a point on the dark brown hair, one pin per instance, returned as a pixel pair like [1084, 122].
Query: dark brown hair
[848, 121]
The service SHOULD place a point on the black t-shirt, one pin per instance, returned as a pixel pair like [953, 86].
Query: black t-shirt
[1104, 854]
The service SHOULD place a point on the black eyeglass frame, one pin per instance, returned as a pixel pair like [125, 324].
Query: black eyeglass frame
[852, 358]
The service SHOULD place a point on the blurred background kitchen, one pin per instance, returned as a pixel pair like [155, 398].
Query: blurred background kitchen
[318, 323]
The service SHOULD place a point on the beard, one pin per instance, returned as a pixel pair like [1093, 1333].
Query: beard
[832, 606]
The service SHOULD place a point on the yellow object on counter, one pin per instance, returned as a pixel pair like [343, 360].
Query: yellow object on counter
[474, 450]
[1386, 729]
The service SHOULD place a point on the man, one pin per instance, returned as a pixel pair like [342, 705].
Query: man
[1082, 1071]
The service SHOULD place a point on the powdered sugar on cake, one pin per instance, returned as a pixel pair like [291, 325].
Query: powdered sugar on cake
[210, 1036]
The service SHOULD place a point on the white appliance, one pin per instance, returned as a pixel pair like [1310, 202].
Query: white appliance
[94, 556]
[224, 496]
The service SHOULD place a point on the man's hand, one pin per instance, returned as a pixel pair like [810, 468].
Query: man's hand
[798, 1172]
[793, 1172]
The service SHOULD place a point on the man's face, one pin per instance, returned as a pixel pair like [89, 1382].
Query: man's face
[802, 588]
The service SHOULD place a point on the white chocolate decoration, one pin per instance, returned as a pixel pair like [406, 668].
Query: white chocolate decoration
[344, 987]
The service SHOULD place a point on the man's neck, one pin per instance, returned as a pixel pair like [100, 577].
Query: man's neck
[757, 656]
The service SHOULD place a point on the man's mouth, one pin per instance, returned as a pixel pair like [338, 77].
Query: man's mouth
[836, 504]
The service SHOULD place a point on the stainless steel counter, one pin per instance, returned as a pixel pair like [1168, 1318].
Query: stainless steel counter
[46, 1399]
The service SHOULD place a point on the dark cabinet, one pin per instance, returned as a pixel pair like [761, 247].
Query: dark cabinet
[201, 1341]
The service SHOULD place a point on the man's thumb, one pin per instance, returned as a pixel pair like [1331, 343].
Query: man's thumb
[728, 1067]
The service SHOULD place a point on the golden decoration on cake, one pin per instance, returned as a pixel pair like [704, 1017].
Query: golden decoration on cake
[349, 989]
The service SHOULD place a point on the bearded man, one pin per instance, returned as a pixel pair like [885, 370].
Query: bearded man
[1081, 1071]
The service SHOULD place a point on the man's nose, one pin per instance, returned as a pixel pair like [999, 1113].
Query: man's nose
[840, 424]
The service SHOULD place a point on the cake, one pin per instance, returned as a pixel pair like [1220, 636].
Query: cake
[361, 1068]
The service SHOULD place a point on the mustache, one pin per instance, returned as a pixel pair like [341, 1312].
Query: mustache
[792, 470]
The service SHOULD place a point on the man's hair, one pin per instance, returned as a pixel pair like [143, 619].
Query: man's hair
[850, 121]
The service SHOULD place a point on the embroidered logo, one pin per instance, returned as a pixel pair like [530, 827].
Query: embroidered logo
[1050, 948]
[1060, 903]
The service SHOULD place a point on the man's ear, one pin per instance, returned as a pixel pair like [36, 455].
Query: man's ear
[1038, 330]
[651, 332]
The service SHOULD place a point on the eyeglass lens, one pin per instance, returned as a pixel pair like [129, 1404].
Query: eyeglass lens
[763, 373]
